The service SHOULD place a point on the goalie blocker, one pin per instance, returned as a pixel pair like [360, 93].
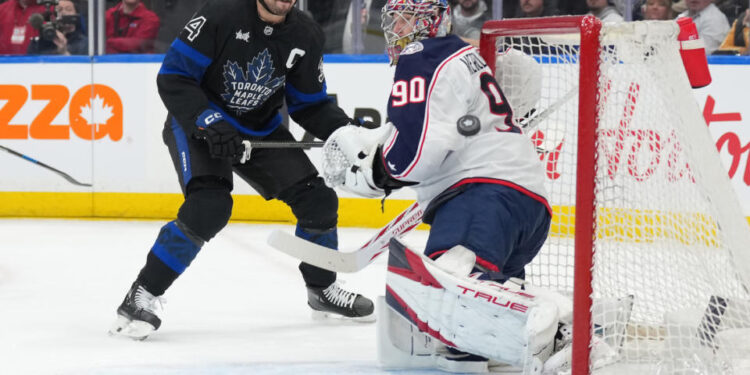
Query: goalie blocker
[476, 316]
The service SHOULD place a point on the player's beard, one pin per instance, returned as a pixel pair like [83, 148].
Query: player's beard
[278, 9]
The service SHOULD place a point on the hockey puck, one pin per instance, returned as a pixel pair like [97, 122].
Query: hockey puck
[468, 125]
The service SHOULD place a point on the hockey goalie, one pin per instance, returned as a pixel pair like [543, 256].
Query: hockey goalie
[454, 140]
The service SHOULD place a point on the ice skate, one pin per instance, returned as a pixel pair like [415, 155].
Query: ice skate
[136, 317]
[333, 301]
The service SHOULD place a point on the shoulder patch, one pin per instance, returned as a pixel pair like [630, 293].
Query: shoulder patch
[412, 48]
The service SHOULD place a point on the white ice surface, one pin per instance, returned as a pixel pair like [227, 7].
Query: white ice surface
[240, 308]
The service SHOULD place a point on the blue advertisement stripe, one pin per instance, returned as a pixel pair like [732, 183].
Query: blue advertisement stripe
[328, 59]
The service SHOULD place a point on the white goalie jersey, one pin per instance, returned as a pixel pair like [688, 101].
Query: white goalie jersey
[437, 82]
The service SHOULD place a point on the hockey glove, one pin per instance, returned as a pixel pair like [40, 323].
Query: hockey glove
[223, 141]
[349, 152]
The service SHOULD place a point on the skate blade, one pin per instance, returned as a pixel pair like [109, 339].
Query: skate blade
[134, 329]
[325, 315]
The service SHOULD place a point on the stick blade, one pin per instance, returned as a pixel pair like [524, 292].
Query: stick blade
[317, 255]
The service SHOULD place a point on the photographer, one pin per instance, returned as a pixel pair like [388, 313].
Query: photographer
[15, 31]
[68, 38]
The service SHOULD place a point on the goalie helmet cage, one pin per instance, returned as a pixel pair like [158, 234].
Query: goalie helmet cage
[647, 235]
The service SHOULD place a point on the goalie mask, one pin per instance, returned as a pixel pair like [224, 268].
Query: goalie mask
[407, 21]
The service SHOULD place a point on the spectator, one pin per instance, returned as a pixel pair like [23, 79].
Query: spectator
[658, 10]
[733, 9]
[69, 40]
[15, 30]
[622, 8]
[535, 8]
[468, 18]
[711, 23]
[532, 45]
[738, 37]
[348, 37]
[602, 10]
[131, 28]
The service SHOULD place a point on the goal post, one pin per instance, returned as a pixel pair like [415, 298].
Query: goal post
[648, 236]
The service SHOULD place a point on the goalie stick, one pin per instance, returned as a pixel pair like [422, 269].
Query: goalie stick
[347, 261]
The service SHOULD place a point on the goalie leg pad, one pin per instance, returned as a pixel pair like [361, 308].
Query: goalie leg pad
[479, 317]
[400, 344]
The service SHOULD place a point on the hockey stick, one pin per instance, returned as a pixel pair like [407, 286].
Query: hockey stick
[534, 121]
[282, 144]
[351, 261]
[250, 145]
[39, 163]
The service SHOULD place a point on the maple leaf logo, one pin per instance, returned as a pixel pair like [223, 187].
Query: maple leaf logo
[261, 69]
[96, 112]
[248, 89]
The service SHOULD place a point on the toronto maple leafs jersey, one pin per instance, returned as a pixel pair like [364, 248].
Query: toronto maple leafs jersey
[436, 82]
[229, 64]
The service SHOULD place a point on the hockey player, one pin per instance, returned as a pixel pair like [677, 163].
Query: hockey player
[454, 141]
[223, 81]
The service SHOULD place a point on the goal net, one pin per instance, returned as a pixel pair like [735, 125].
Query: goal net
[648, 236]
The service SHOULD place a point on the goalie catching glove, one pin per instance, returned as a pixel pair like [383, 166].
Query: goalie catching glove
[348, 156]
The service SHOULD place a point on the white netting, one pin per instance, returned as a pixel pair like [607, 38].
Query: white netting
[669, 234]
[334, 164]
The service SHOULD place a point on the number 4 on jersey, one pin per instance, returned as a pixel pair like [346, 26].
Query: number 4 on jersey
[194, 26]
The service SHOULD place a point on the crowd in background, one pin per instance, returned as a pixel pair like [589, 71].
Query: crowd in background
[30, 27]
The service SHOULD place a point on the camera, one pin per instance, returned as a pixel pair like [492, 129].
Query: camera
[47, 23]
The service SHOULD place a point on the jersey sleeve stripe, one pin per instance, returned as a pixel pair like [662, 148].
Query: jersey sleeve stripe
[297, 100]
[199, 58]
[269, 127]
[426, 123]
[182, 59]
